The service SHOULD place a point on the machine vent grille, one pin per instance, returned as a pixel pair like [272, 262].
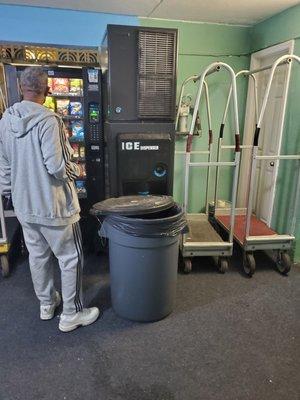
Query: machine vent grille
[156, 74]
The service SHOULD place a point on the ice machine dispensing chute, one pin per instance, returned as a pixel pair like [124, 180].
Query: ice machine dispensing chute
[144, 163]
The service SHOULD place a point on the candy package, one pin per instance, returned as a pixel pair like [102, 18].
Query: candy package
[75, 87]
[68, 129]
[62, 107]
[82, 171]
[60, 85]
[75, 148]
[82, 152]
[77, 130]
[80, 186]
[76, 108]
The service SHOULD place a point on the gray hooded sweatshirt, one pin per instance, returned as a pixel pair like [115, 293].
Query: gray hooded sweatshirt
[36, 167]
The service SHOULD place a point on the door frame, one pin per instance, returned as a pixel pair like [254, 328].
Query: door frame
[249, 124]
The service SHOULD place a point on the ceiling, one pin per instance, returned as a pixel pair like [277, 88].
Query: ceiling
[221, 11]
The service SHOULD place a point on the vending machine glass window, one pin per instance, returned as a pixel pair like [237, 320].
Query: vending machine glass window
[66, 99]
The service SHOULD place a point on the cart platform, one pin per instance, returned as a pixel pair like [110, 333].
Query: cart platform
[257, 227]
[261, 237]
[202, 239]
[200, 230]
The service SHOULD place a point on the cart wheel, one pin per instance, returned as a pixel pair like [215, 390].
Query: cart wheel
[249, 264]
[187, 265]
[4, 265]
[283, 263]
[222, 265]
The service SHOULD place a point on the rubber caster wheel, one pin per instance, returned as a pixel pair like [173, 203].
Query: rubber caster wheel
[249, 264]
[283, 263]
[187, 268]
[4, 266]
[222, 265]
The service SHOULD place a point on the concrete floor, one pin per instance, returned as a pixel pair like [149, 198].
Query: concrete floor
[229, 338]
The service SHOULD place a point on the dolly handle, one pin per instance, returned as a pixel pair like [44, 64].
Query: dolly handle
[221, 134]
[237, 143]
[210, 136]
[256, 136]
[189, 143]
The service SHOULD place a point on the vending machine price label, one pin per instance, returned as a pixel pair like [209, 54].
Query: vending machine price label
[93, 88]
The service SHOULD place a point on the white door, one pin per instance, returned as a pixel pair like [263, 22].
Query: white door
[271, 129]
[270, 138]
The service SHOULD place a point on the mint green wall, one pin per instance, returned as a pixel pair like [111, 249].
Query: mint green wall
[199, 45]
[282, 27]
[277, 29]
[203, 43]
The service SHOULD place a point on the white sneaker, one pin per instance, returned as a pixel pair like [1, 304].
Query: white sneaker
[85, 317]
[47, 312]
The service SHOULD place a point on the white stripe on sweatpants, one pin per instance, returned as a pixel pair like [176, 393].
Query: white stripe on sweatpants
[78, 244]
[65, 243]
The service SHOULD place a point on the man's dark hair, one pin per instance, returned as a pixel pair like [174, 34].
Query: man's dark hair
[34, 79]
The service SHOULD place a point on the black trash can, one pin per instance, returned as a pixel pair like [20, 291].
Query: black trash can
[143, 255]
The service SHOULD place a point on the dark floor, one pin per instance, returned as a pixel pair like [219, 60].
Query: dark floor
[229, 338]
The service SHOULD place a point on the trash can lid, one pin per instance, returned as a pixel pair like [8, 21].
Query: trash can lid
[133, 205]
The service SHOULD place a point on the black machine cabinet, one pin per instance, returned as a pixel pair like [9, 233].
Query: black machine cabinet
[141, 73]
[94, 135]
[139, 92]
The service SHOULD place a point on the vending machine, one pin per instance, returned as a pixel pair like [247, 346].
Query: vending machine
[75, 94]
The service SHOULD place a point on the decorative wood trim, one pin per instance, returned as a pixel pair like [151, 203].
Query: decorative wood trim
[24, 54]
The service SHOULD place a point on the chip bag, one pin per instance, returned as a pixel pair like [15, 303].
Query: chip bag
[60, 85]
[50, 103]
[62, 107]
[77, 130]
[75, 87]
[76, 108]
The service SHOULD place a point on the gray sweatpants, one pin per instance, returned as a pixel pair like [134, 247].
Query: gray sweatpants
[65, 243]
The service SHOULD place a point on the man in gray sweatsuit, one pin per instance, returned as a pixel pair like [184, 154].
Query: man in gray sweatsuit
[36, 169]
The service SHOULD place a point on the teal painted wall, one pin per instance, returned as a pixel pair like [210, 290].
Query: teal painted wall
[277, 29]
[199, 45]
[280, 28]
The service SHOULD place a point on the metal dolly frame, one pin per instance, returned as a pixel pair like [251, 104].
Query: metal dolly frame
[279, 244]
[216, 248]
[4, 239]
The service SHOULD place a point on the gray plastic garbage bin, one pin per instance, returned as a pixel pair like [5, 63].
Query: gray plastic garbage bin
[143, 257]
